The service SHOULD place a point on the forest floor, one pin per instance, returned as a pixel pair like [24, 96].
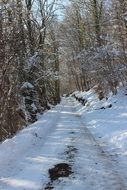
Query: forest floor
[59, 152]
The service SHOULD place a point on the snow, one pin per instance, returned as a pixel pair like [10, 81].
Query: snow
[125, 16]
[19, 151]
[92, 140]
[34, 107]
[33, 60]
[27, 85]
[109, 125]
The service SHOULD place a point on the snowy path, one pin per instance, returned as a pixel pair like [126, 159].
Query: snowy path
[67, 141]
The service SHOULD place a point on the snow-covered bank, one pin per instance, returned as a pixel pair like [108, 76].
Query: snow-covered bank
[29, 136]
[107, 120]
[15, 153]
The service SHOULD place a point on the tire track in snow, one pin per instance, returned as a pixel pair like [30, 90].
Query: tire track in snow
[99, 168]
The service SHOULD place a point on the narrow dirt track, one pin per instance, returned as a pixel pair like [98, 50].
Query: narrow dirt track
[90, 167]
[68, 159]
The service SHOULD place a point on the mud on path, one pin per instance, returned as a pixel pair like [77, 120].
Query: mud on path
[63, 170]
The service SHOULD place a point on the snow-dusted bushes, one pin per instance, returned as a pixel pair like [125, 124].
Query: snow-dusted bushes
[27, 43]
[94, 43]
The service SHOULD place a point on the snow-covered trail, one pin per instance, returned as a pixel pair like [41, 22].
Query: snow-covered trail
[69, 142]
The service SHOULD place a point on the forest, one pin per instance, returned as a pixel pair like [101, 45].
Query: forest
[49, 48]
